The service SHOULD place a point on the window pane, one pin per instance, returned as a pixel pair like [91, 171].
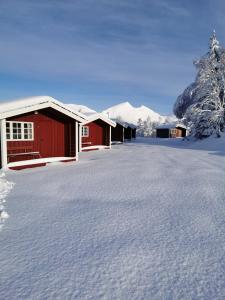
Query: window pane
[19, 131]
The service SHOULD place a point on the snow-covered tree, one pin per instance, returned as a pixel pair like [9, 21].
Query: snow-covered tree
[202, 103]
[146, 128]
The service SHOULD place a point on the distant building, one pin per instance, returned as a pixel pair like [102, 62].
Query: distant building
[96, 133]
[130, 131]
[171, 131]
[117, 133]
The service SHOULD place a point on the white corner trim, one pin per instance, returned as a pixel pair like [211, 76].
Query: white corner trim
[76, 139]
[80, 138]
[3, 143]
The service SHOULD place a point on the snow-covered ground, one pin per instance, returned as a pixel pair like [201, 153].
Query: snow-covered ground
[5, 187]
[145, 220]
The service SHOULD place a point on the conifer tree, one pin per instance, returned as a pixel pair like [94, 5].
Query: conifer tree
[202, 103]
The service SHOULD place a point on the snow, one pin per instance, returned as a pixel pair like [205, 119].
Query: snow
[14, 105]
[144, 220]
[99, 147]
[39, 161]
[100, 116]
[165, 126]
[5, 187]
[127, 113]
[82, 109]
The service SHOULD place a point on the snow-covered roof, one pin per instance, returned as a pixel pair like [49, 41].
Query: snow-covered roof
[82, 109]
[181, 126]
[170, 126]
[120, 123]
[24, 105]
[130, 125]
[166, 126]
[101, 117]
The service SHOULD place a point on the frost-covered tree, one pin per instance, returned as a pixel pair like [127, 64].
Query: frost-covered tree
[146, 128]
[202, 103]
[140, 127]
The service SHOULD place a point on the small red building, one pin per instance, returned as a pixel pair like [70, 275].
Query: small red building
[36, 131]
[117, 133]
[96, 133]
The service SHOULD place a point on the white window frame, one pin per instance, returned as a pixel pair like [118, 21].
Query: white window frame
[87, 131]
[22, 131]
[173, 131]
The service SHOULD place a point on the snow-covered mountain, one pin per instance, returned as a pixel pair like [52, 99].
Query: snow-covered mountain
[82, 109]
[128, 113]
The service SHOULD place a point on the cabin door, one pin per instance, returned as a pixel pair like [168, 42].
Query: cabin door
[51, 139]
[45, 139]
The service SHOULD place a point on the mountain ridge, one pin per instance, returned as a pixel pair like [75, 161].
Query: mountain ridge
[131, 114]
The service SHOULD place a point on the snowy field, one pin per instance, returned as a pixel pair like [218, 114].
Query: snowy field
[145, 220]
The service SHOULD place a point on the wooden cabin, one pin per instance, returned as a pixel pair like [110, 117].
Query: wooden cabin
[36, 131]
[134, 133]
[117, 133]
[129, 131]
[171, 131]
[96, 133]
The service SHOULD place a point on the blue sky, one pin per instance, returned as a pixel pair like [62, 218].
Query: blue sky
[102, 52]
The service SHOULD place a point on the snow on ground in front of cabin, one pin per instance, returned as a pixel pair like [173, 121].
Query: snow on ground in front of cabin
[5, 188]
[145, 220]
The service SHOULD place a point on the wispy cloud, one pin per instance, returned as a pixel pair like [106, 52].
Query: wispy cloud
[143, 44]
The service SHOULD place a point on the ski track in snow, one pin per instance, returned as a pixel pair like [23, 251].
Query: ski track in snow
[145, 220]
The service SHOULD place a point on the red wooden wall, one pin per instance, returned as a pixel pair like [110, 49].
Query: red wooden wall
[98, 134]
[54, 135]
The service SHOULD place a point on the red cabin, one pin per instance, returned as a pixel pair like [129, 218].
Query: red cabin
[36, 131]
[96, 133]
[117, 133]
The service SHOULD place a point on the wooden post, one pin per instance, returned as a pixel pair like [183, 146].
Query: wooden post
[110, 136]
[3, 143]
[80, 137]
[76, 139]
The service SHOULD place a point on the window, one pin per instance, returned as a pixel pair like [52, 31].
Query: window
[19, 131]
[85, 131]
[173, 131]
